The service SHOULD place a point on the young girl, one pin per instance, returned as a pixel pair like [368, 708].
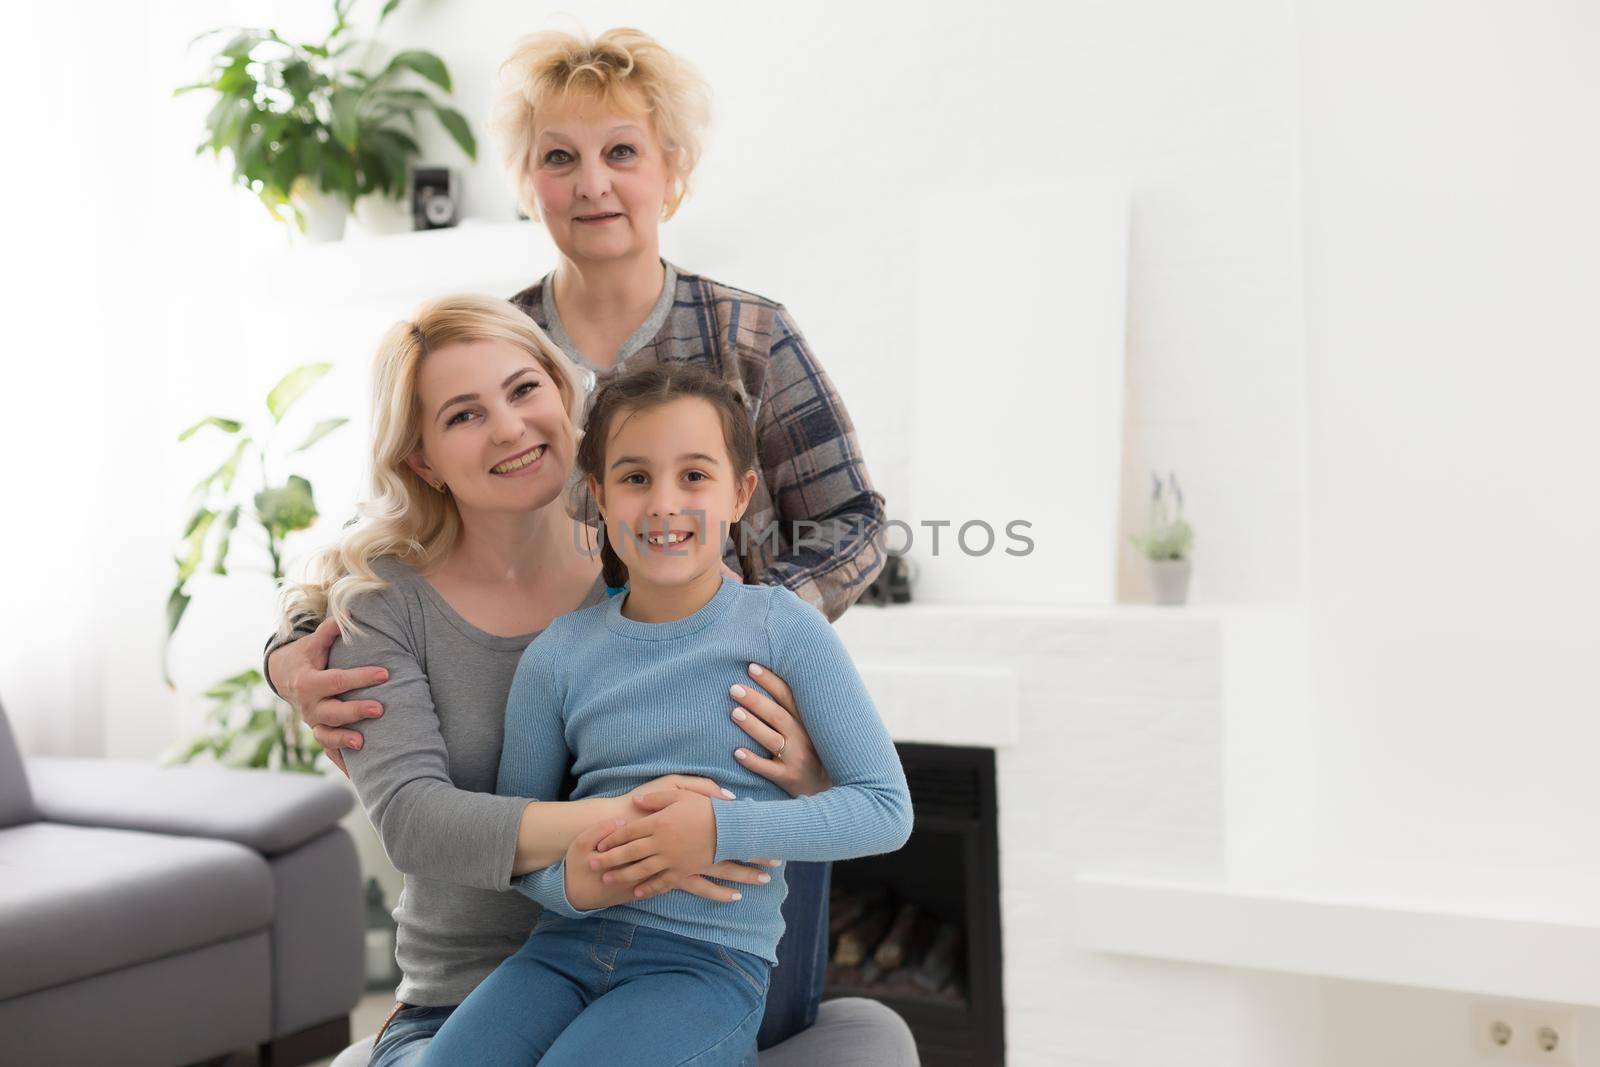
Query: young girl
[669, 455]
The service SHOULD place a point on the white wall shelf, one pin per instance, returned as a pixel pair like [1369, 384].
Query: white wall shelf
[496, 257]
[1491, 932]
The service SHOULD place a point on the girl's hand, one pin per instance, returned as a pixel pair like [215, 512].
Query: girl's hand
[773, 722]
[299, 671]
[611, 851]
[680, 836]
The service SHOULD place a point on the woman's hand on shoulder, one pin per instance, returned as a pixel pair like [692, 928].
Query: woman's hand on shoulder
[299, 671]
[773, 723]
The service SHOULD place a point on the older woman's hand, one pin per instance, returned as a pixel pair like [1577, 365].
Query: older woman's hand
[299, 672]
[773, 723]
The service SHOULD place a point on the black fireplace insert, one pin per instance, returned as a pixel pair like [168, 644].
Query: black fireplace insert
[919, 929]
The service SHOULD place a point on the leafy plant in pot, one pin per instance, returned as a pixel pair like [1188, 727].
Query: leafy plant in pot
[1167, 542]
[247, 725]
[311, 128]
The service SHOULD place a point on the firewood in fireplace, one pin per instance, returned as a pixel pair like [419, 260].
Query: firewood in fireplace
[891, 951]
[862, 936]
[921, 940]
[940, 961]
[850, 904]
[900, 979]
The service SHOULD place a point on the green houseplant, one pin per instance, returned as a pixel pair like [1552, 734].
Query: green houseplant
[247, 725]
[1167, 542]
[310, 125]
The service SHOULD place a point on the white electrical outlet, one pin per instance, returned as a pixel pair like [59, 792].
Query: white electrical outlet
[1525, 1033]
[1549, 1036]
[1496, 1030]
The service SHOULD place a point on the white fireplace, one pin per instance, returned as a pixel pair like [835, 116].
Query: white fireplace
[1107, 728]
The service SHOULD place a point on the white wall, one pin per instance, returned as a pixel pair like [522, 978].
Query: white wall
[1450, 234]
[81, 513]
[1450, 160]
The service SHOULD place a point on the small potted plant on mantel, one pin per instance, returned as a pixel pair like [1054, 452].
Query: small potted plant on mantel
[310, 131]
[1166, 545]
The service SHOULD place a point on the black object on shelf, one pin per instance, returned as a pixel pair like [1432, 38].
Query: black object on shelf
[893, 583]
[435, 204]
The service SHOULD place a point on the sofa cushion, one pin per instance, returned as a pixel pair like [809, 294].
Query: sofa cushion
[16, 804]
[849, 1032]
[269, 811]
[189, 1008]
[77, 901]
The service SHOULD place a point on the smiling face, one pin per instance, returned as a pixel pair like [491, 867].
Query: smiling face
[670, 493]
[494, 427]
[601, 179]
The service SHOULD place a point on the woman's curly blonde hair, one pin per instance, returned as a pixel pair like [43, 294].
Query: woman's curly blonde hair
[626, 71]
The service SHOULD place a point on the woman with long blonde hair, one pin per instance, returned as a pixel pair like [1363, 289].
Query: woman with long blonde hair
[411, 514]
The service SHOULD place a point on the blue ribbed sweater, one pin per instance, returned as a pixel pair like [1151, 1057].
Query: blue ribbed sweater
[628, 701]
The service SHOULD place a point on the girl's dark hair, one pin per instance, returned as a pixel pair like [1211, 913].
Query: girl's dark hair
[647, 388]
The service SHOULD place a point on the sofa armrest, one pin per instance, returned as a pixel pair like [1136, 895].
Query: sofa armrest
[269, 811]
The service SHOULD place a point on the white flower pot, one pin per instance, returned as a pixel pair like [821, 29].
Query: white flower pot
[377, 216]
[1169, 578]
[324, 213]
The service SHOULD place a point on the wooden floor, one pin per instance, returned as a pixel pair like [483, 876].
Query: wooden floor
[366, 1019]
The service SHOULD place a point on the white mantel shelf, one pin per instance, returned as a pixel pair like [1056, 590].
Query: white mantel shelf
[950, 673]
[1525, 935]
[985, 628]
[1068, 612]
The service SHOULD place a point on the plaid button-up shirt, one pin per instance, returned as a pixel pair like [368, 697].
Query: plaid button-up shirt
[818, 521]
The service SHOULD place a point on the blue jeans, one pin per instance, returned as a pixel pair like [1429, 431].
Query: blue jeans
[582, 992]
[797, 981]
[792, 996]
[407, 1035]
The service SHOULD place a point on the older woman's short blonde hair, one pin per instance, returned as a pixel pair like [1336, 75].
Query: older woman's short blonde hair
[625, 70]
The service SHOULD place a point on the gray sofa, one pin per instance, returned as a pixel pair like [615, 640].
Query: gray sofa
[154, 915]
[176, 915]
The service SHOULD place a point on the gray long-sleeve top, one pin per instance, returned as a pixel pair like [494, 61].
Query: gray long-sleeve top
[426, 775]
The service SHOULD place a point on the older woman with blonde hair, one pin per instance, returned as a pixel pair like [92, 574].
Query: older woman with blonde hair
[464, 537]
